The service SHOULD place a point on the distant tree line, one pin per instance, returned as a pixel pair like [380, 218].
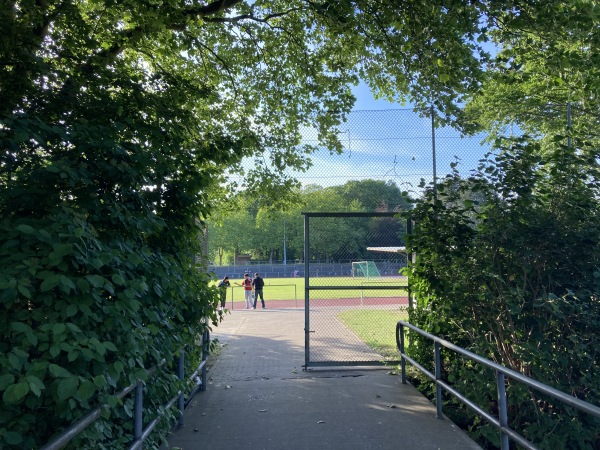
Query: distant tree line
[248, 229]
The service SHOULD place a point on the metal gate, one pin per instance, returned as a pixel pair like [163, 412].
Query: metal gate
[354, 290]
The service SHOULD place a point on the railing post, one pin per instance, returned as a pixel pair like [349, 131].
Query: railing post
[438, 377]
[400, 344]
[138, 424]
[502, 410]
[181, 375]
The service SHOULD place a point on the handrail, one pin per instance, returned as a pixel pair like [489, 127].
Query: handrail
[502, 422]
[140, 435]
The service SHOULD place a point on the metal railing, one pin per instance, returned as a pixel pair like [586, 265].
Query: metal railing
[501, 372]
[141, 433]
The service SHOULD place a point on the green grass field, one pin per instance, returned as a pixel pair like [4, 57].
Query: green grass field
[293, 288]
[376, 328]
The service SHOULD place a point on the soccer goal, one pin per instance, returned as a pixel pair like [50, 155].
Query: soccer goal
[366, 269]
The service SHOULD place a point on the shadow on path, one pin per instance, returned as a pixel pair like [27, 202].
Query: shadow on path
[259, 397]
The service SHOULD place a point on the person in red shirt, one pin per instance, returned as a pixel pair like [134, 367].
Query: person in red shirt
[247, 284]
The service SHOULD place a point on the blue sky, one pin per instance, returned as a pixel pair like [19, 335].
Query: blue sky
[387, 141]
[365, 99]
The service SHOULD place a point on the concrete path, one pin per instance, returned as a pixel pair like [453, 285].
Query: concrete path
[259, 398]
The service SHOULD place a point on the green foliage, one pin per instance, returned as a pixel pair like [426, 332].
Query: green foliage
[546, 59]
[83, 314]
[119, 123]
[236, 228]
[514, 278]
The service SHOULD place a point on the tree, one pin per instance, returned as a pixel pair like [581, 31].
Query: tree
[270, 229]
[380, 196]
[515, 278]
[234, 234]
[507, 259]
[375, 195]
[544, 64]
[289, 66]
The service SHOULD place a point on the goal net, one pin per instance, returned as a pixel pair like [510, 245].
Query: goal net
[365, 269]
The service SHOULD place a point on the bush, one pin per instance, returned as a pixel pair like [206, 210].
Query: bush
[97, 281]
[507, 268]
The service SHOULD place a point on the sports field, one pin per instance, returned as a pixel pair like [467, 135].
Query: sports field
[289, 292]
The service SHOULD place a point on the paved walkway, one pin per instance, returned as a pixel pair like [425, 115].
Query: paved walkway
[259, 398]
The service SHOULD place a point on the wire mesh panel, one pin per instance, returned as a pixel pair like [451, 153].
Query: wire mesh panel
[392, 145]
[356, 293]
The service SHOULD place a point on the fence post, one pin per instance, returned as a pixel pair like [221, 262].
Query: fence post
[502, 410]
[438, 377]
[138, 411]
[306, 291]
[181, 375]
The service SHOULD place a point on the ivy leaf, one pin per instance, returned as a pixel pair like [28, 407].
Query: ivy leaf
[26, 229]
[21, 327]
[15, 361]
[118, 279]
[110, 346]
[61, 250]
[100, 381]
[50, 282]
[66, 284]
[71, 310]
[96, 280]
[35, 384]
[54, 351]
[24, 290]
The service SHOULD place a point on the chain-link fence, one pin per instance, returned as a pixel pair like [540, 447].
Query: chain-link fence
[348, 288]
[346, 270]
[346, 312]
[394, 145]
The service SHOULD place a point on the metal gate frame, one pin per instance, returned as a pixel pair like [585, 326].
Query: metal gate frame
[308, 288]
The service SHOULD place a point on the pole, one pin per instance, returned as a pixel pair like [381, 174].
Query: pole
[413, 260]
[433, 151]
[306, 293]
[438, 377]
[284, 247]
[502, 410]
